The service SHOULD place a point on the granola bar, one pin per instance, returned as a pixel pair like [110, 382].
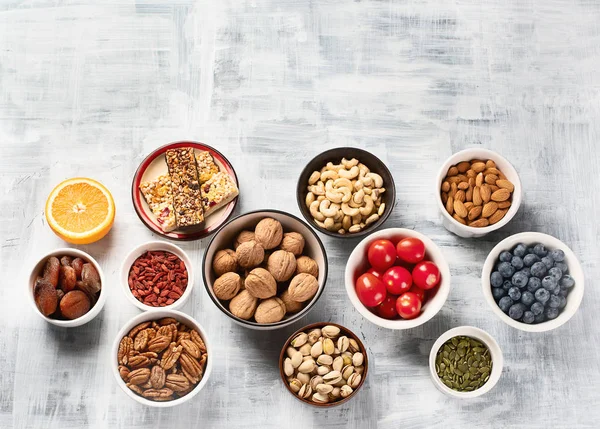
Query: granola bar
[159, 196]
[187, 198]
[219, 190]
[206, 166]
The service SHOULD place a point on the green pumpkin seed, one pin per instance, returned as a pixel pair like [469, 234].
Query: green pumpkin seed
[463, 364]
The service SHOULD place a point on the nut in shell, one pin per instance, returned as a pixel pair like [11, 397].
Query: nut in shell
[303, 287]
[227, 286]
[250, 254]
[293, 242]
[281, 264]
[357, 359]
[345, 391]
[270, 311]
[269, 233]
[299, 340]
[260, 283]
[307, 265]
[243, 237]
[291, 306]
[243, 305]
[224, 261]
[330, 331]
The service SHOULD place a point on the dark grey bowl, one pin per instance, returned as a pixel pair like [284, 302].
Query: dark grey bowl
[335, 156]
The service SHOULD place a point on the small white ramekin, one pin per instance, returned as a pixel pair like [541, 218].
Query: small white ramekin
[37, 269]
[156, 314]
[478, 334]
[573, 299]
[503, 165]
[152, 246]
[358, 263]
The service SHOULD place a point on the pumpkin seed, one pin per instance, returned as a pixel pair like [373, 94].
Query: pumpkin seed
[463, 364]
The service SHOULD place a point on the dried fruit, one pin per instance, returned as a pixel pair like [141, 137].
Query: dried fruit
[45, 296]
[67, 278]
[77, 265]
[66, 260]
[74, 304]
[52, 270]
[90, 277]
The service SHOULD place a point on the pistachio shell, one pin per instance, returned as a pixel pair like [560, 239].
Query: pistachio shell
[345, 391]
[328, 347]
[320, 398]
[353, 346]
[354, 380]
[322, 370]
[306, 366]
[338, 363]
[335, 392]
[288, 368]
[357, 359]
[305, 349]
[325, 360]
[304, 378]
[299, 340]
[313, 336]
[343, 343]
[332, 377]
[324, 388]
[315, 381]
[317, 349]
[347, 371]
[295, 385]
[305, 391]
[330, 331]
[296, 359]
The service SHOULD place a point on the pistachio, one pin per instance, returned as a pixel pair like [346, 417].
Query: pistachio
[304, 378]
[332, 377]
[305, 391]
[290, 351]
[299, 340]
[330, 331]
[295, 385]
[328, 347]
[296, 359]
[347, 371]
[345, 391]
[338, 363]
[359, 369]
[325, 360]
[343, 343]
[357, 359]
[354, 380]
[324, 388]
[335, 392]
[288, 368]
[306, 366]
[347, 360]
[320, 398]
[316, 349]
[313, 336]
[353, 346]
[315, 381]
[322, 370]
[305, 349]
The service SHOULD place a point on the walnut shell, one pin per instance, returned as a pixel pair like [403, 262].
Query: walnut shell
[293, 242]
[227, 286]
[224, 261]
[270, 311]
[269, 233]
[250, 254]
[304, 264]
[281, 265]
[260, 283]
[303, 287]
[243, 305]
[291, 306]
[242, 237]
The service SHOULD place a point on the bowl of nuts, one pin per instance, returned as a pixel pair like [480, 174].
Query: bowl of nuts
[65, 287]
[346, 192]
[478, 191]
[323, 364]
[265, 269]
[161, 358]
[157, 274]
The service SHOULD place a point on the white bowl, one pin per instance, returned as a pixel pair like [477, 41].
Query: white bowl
[478, 334]
[155, 315]
[357, 264]
[573, 299]
[150, 247]
[37, 268]
[225, 236]
[503, 165]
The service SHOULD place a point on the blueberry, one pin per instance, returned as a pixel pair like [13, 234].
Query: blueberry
[519, 279]
[517, 262]
[520, 250]
[498, 293]
[554, 301]
[540, 250]
[542, 295]
[555, 272]
[516, 311]
[528, 317]
[563, 292]
[563, 267]
[505, 256]
[539, 269]
[529, 251]
[537, 308]
[506, 269]
[551, 313]
[514, 293]
[563, 302]
[558, 255]
[530, 259]
[533, 284]
[540, 318]
[505, 303]
[556, 290]
[526, 271]
[496, 279]
[549, 283]
[507, 285]
[567, 281]
[548, 261]
[527, 298]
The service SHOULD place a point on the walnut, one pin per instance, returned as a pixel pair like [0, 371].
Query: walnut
[250, 254]
[269, 233]
[260, 283]
[293, 242]
[291, 306]
[304, 264]
[303, 287]
[224, 261]
[227, 286]
[270, 311]
[243, 305]
[242, 238]
[281, 265]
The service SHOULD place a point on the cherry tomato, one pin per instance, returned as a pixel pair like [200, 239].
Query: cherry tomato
[397, 280]
[374, 272]
[411, 250]
[426, 275]
[381, 254]
[408, 305]
[370, 290]
[419, 292]
[387, 309]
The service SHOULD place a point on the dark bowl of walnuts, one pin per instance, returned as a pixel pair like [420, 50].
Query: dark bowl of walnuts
[265, 269]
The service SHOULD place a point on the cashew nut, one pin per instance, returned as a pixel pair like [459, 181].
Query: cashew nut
[310, 197]
[329, 224]
[339, 217]
[342, 183]
[346, 222]
[373, 218]
[354, 228]
[320, 198]
[367, 209]
[367, 190]
[358, 185]
[350, 211]
[328, 185]
[334, 167]
[349, 164]
[328, 209]
[356, 219]
[320, 224]
[376, 178]
[329, 174]
[347, 194]
[334, 196]
[381, 209]
[363, 168]
[314, 211]
[358, 197]
[314, 177]
[349, 174]
[341, 231]
[318, 189]
[367, 180]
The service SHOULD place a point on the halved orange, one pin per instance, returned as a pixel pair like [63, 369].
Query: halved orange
[80, 210]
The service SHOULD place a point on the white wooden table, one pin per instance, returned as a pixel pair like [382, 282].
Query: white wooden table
[89, 88]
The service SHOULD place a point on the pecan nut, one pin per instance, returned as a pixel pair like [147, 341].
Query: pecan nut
[123, 372]
[158, 394]
[138, 328]
[177, 382]
[171, 356]
[191, 348]
[196, 338]
[138, 361]
[159, 343]
[139, 376]
[157, 377]
[136, 389]
[168, 321]
[169, 331]
[125, 349]
[189, 364]
[141, 340]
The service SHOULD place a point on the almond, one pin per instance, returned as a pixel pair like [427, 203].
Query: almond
[485, 192]
[497, 216]
[501, 195]
[504, 205]
[463, 166]
[450, 205]
[452, 171]
[469, 205]
[479, 179]
[459, 208]
[459, 219]
[493, 188]
[477, 196]
[492, 170]
[490, 179]
[444, 197]
[463, 185]
[489, 209]
[453, 189]
[475, 212]
[490, 164]
[505, 184]
[471, 174]
[445, 186]
[472, 181]
[460, 196]
[454, 179]
[469, 194]
[478, 167]
[479, 223]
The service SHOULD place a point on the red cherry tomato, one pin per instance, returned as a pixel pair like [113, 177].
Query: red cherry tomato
[387, 309]
[381, 254]
[408, 305]
[419, 292]
[370, 290]
[426, 275]
[411, 250]
[397, 280]
[374, 272]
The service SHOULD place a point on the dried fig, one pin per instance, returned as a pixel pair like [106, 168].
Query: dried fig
[74, 304]
[51, 270]
[45, 296]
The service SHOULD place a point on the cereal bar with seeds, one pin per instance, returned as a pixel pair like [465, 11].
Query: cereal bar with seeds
[187, 198]
[159, 196]
[219, 190]
[206, 166]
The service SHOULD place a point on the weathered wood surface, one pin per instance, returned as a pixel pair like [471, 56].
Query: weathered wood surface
[89, 88]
